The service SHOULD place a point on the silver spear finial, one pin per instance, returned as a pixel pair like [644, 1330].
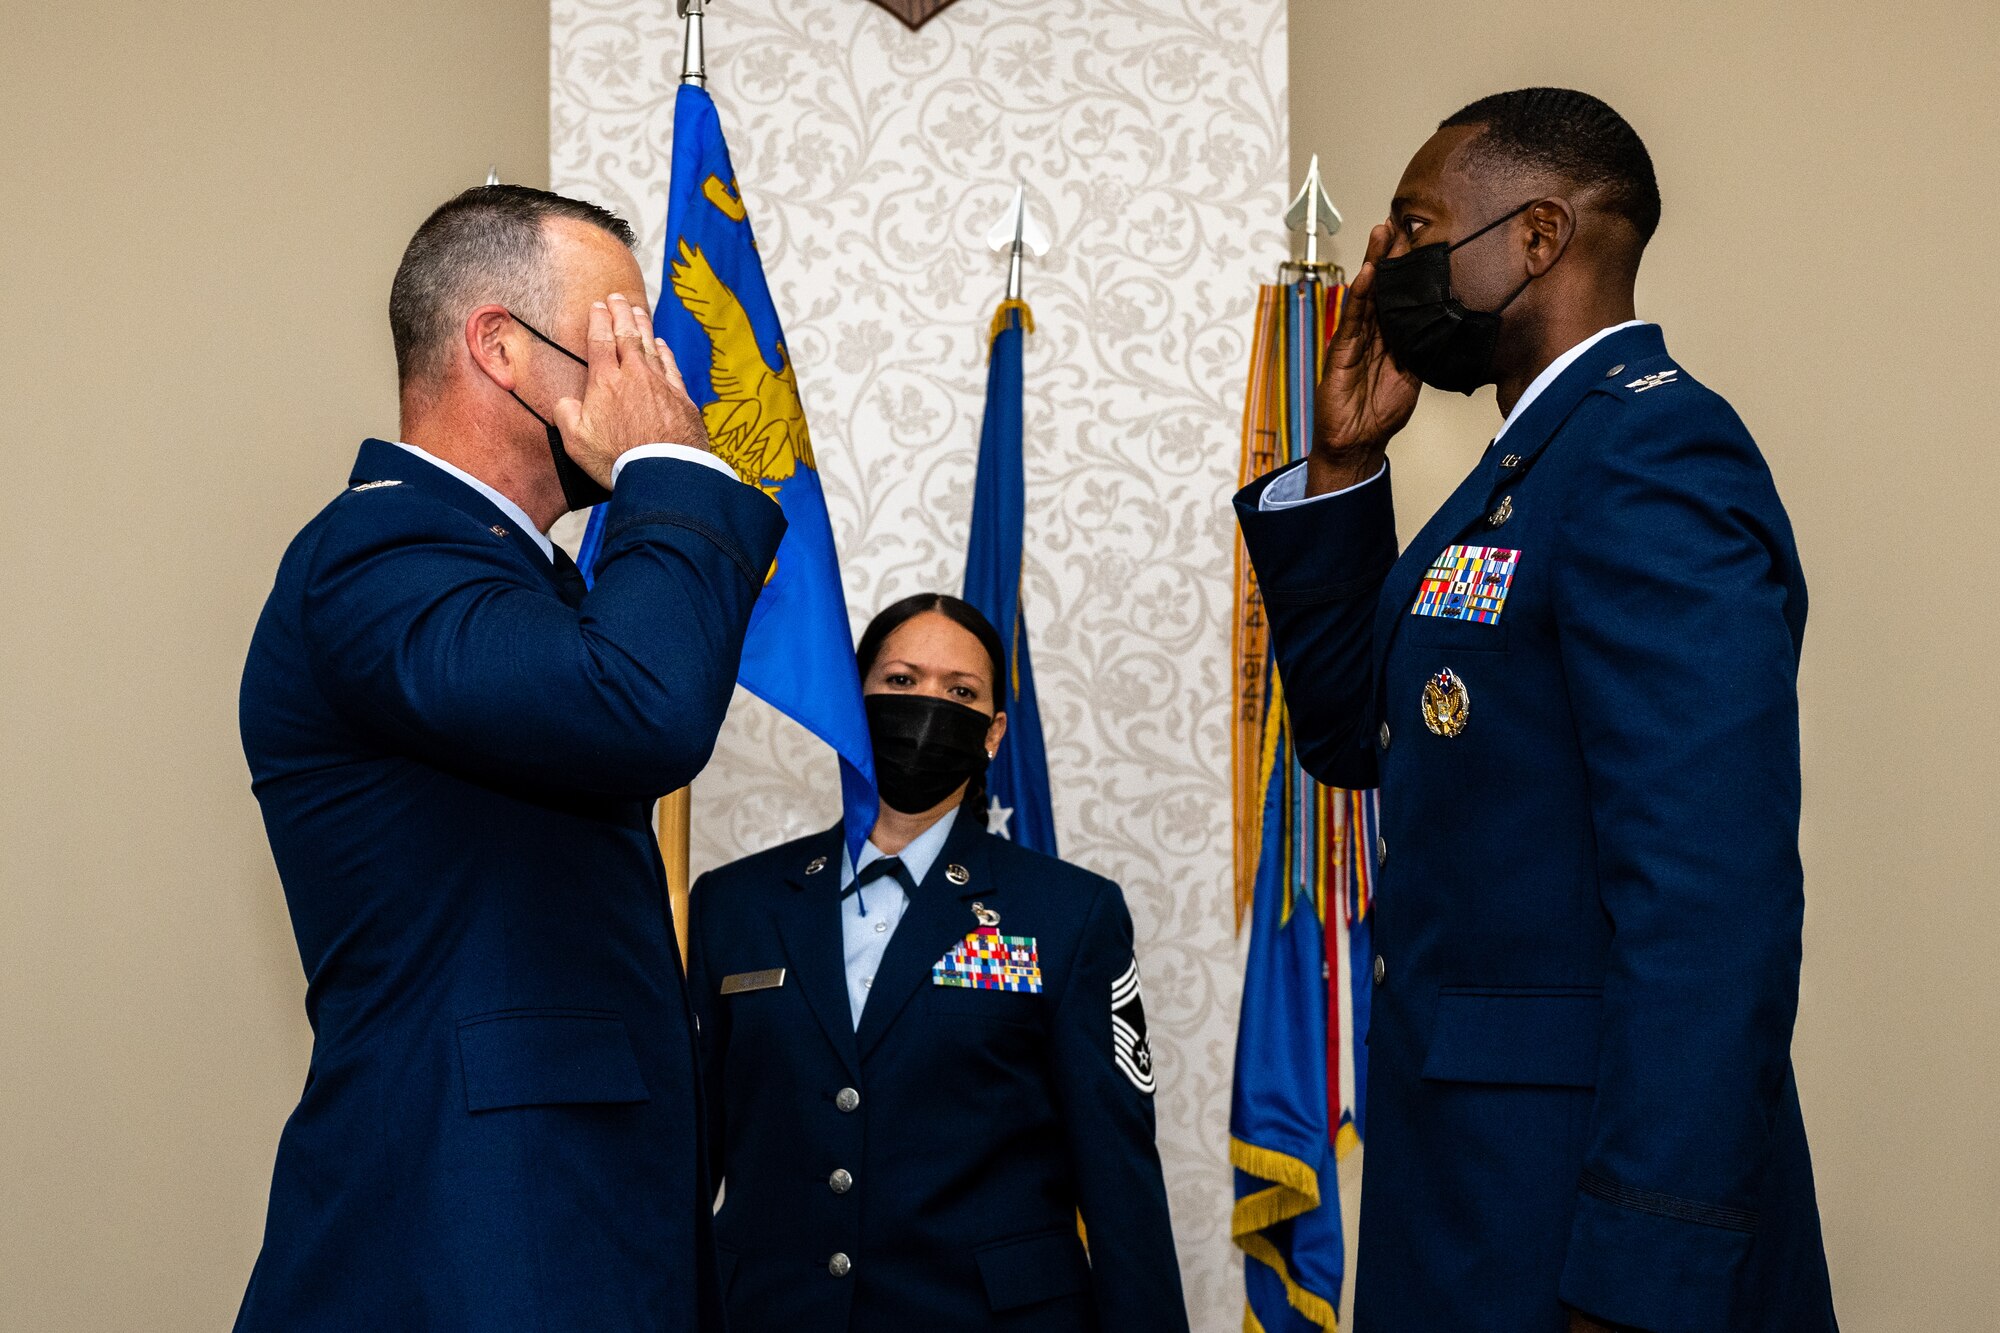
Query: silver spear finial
[1313, 213]
[1017, 232]
[493, 175]
[694, 56]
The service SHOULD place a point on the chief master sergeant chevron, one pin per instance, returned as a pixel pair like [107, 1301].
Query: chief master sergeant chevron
[456, 748]
[1577, 688]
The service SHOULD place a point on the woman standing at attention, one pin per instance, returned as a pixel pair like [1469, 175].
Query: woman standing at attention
[927, 1073]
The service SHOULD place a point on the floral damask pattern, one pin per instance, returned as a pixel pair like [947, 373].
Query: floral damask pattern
[1151, 135]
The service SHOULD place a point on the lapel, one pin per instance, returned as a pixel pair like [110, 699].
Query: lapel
[940, 916]
[1466, 507]
[808, 921]
[1500, 468]
[380, 460]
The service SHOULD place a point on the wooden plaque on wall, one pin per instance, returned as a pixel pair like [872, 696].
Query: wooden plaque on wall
[915, 13]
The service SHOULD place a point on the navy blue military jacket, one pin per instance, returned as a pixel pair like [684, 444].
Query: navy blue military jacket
[455, 749]
[1589, 908]
[928, 1171]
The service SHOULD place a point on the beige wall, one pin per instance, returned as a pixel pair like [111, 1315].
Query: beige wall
[1827, 263]
[204, 203]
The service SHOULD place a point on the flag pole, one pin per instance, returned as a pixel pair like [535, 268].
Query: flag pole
[694, 53]
[676, 810]
[1311, 213]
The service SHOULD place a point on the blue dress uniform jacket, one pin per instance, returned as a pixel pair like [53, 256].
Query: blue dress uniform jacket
[928, 1171]
[455, 749]
[1589, 909]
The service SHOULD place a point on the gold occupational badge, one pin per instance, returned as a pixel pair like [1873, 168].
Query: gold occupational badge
[1447, 704]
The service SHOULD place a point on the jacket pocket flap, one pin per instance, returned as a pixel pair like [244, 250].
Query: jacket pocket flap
[1033, 1269]
[547, 1057]
[1010, 1006]
[1543, 1037]
[1467, 635]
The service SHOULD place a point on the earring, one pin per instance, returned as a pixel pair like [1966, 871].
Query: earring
[990, 755]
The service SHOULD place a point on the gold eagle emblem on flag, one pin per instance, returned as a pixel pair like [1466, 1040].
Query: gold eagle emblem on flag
[756, 424]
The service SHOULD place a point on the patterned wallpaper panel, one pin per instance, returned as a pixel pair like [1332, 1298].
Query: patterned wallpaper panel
[1152, 138]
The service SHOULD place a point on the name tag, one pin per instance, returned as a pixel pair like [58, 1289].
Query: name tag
[738, 982]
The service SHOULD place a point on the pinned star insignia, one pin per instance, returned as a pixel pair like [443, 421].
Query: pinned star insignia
[497, 530]
[958, 874]
[1130, 1050]
[817, 864]
[373, 486]
[1653, 381]
[1446, 704]
[987, 916]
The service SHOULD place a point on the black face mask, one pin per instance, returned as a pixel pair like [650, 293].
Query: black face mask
[926, 748]
[1427, 329]
[580, 490]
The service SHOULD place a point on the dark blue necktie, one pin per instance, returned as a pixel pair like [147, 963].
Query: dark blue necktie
[886, 867]
[569, 579]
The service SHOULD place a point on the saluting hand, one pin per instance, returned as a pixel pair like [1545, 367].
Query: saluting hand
[634, 396]
[1364, 398]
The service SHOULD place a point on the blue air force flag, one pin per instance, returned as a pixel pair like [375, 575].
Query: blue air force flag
[715, 311]
[1018, 783]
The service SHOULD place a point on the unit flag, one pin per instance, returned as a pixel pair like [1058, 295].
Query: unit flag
[1305, 878]
[715, 311]
[1017, 786]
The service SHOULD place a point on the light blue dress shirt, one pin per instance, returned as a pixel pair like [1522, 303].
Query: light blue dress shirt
[865, 936]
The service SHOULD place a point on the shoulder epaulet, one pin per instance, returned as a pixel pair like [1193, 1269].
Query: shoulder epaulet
[1641, 378]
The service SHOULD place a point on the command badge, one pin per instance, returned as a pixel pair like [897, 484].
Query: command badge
[1447, 704]
[1130, 1050]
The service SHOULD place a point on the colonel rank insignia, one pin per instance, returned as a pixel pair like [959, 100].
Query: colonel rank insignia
[988, 960]
[1130, 1050]
[1467, 583]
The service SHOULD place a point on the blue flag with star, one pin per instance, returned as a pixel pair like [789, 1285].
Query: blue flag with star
[715, 311]
[1281, 1144]
[1018, 783]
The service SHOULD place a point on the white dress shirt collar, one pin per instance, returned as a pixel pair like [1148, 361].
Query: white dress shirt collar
[1556, 368]
[500, 502]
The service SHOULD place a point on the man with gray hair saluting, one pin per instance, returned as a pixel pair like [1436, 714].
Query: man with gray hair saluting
[456, 748]
[1577, 691]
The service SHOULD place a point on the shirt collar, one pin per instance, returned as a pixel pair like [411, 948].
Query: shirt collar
[918, 857]
[1555, 369]
[500, 502]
